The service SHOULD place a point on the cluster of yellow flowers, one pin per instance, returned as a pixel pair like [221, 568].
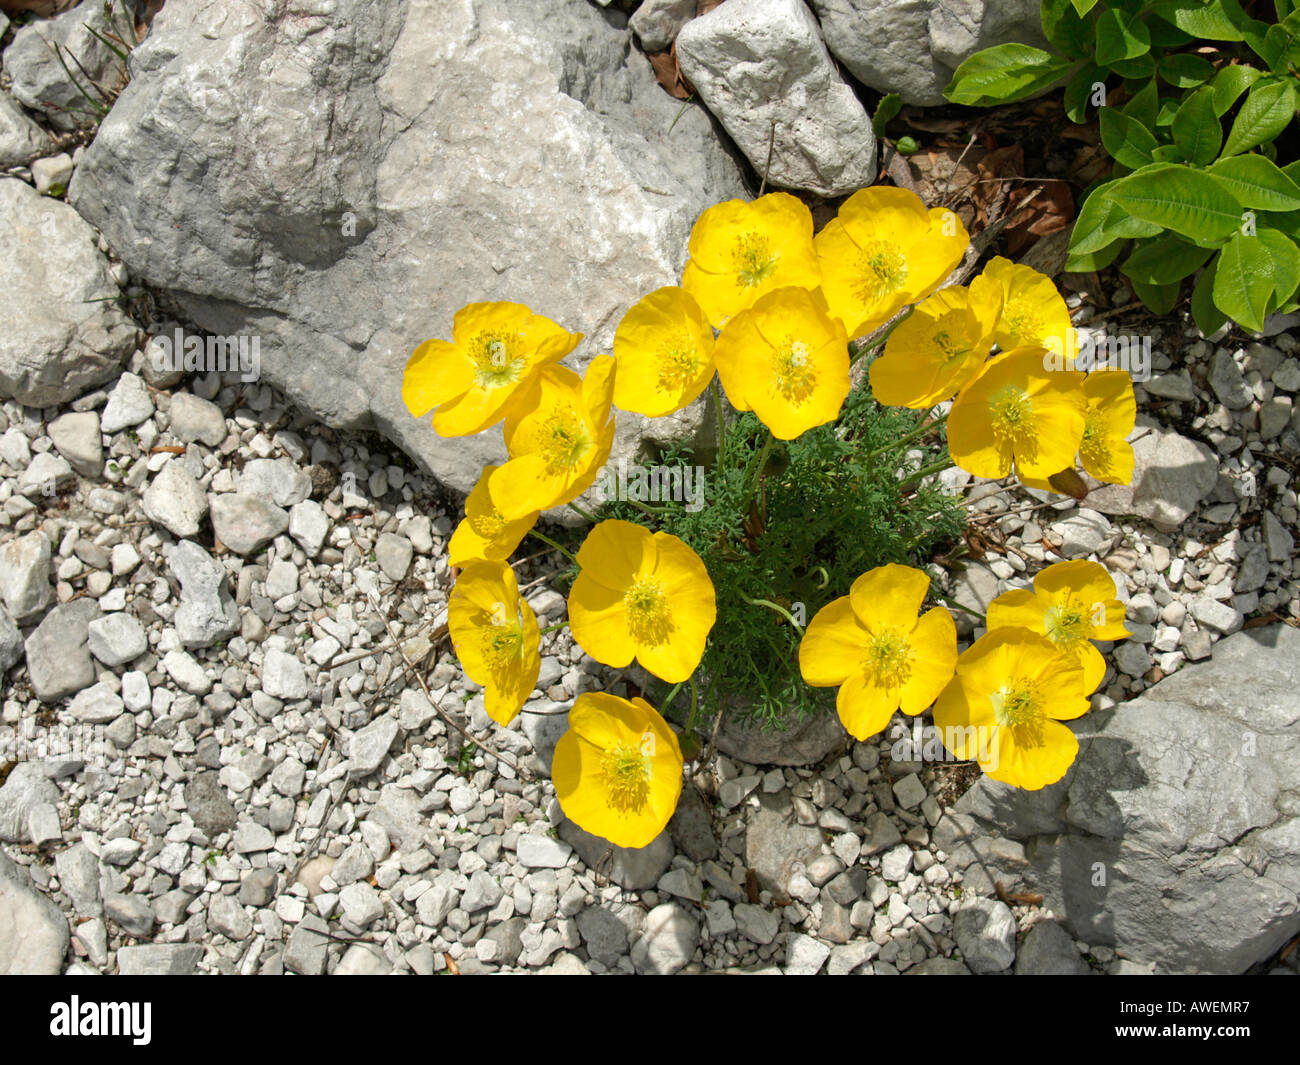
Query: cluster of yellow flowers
[1001, 702]
[772, 311]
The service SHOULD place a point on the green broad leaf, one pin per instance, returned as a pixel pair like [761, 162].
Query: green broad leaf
[1079, 91]
[1127, 140]
[1196, 128]
[1095, 260]
[1082, 7]
[1004, 73]
[1167, 35]
[1066, 28]
[1144, 105]
[1285, 8]
[1178, 198]
[1276, 45]
[1268, 110]
[1168, 153]
[1164, 261]
[1168, 109]
[886, 110]
[1208, 318]
[1286, 265]
[1216, 20]
[1159, 299]
[1256, 182]
[1139, 69]
[1101, 222]
[1229, 83]
[1284, 222]
[1183, 71]
[1120, 36]
[1243, 281]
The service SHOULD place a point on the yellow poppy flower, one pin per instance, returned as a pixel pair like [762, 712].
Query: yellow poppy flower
[786, 359]
[883, 251]
[558, 435]
[874, 647]
[495, 636]
[1005, 705]
[1016, 411]
[495, 350]
[1072, 604]
[618, 769]
[644, 596]
[664, 352]
[1111, 414]
[939, 348]
[1033, 312]
[484, 533]
[740, 251]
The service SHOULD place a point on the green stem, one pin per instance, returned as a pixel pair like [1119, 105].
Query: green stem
[774, 606]
[584, 512]
[757, 477]
[561, 549]
[716, 387]
[953, 603]
[553, 628]
[672, 694]
[878, 342]
[645, 508]
[695, 705]
[920, 430]
[925, 471]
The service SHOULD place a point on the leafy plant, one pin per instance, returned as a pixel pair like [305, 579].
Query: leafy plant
[117, 39]
[1207, 91]
[828, 509]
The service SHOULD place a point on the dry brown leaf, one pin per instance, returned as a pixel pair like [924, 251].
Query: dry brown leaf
[668, 74]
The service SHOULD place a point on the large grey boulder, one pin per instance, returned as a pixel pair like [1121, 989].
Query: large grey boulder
[761, 67]
[912, 47]
[60, 331]
[1175, 837]
[33, 932]
[1171, 475]
[42, 83]
[21, 139]
[339, 181]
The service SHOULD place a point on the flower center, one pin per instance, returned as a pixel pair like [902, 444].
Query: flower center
[889, 658]
[1093, 445]
[1011, 413]
[882, 271]
[565, 440]
[1067, 624]
[753, 258]
[502, 641]
[1022, 322]
[488, 525]
[793, 371]
[649, 619]
[1019, 705]
[626, 772]
[678, 364]
[494, 366]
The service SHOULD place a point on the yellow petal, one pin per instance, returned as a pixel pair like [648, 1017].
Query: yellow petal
[833, 645]
[598, 621]
[934, 647]
[615, 553]
[435, 374]
[865, 707]
[889, 596]
[1032, 757]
